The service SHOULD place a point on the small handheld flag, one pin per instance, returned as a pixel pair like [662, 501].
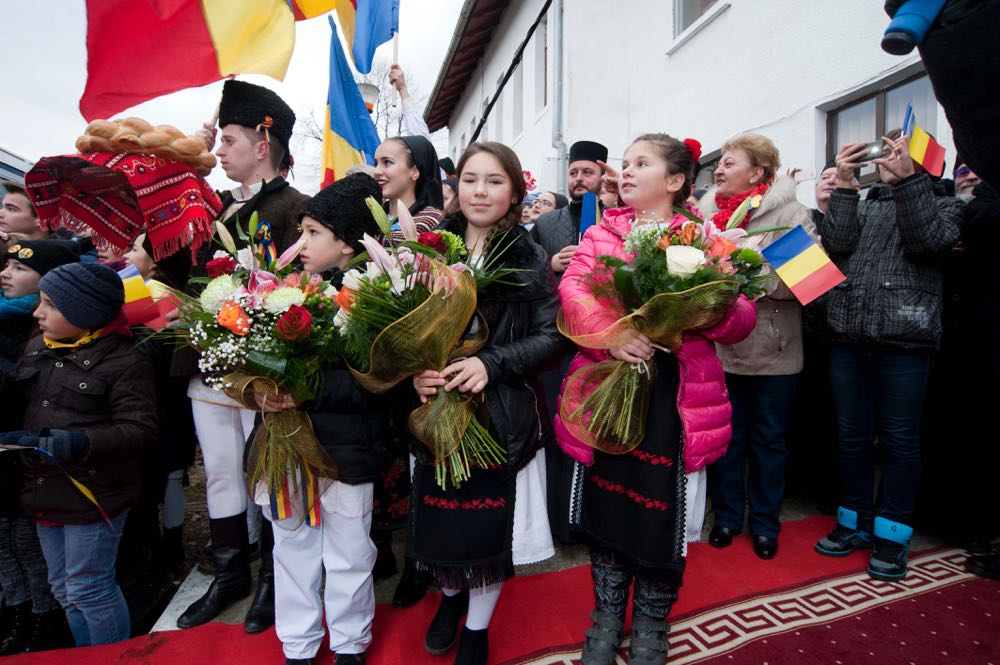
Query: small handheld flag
[143, 306]
[802, 265]
[591, 213]
[924, 150]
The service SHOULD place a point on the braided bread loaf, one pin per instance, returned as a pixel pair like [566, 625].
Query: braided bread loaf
[137, 135]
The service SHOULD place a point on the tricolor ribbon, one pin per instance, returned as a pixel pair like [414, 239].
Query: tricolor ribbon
[264, 244]
[264, 126]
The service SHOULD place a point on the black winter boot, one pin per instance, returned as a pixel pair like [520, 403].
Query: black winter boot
[474, 647]
[233, 581]
[611, 582]
[260, 616]
[385, 560]
[22, 623]
[654, 597]
[443, 631]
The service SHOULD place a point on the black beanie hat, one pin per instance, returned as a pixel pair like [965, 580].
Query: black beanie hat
[447, 166]
[175, 268]
[587, 151]
[44, 255]
[249, 105]
[89, 295]
[341, 208]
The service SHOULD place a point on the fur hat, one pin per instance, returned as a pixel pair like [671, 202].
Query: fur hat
[250, 105]
[341, 208]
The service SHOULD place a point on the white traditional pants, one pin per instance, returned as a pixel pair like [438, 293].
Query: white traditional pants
[341, 546]
[223, 429]
[695, 497]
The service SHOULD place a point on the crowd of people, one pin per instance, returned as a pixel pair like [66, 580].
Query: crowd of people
[101, 420]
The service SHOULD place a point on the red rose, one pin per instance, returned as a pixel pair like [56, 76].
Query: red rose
[224, 265]
[294, 325]
[433, 240]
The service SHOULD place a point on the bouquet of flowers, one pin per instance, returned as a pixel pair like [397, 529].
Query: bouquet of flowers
[410, 310]
[683, 276]
[264, 328]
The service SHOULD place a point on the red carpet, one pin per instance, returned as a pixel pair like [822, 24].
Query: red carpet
[731, 603]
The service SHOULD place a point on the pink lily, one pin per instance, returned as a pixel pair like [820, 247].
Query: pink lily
[289, 254]
[377, 254]
[406, 224]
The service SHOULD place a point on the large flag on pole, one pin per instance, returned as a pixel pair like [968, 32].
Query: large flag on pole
[924, 150]
[367, 24]
[349, 135]
[141, 49]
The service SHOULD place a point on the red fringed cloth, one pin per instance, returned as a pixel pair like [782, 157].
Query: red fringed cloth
[118, 195]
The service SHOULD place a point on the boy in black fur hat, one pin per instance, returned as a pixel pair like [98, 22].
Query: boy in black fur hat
[350, 424]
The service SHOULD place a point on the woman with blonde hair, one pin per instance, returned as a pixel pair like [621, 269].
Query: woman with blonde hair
[762, 370]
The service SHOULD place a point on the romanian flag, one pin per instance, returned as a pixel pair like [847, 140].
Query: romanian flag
[146, 303]
[924, 150]
[590, 213]
[349, 135]
[141, 49]
[367, 24]
[802, 265]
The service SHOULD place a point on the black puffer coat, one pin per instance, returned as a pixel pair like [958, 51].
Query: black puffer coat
[523, 341]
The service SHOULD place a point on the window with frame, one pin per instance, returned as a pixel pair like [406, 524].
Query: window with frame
[542, 66]
[687, 12]
[872, 117]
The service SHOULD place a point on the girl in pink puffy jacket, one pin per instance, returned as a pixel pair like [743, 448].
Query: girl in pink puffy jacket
[630, 508]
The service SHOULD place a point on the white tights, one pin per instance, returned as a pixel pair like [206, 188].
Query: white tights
[482, 602]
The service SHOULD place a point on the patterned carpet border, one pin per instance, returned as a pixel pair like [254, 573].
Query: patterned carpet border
[722, 629]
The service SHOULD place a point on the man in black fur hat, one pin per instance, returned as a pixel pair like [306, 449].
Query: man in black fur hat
[256, 128]
[558, 231]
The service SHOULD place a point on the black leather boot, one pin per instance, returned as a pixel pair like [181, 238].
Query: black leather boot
[611, 583]
[22, 623]
[260, 616]
[233, 581]
[654, 597]
[443, 631]
[411, 588]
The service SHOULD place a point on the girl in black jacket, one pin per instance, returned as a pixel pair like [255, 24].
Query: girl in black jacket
[470, 537]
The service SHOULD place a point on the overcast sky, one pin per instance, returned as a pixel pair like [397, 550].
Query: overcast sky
[44, 45]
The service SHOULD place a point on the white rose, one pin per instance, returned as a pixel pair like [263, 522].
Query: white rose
[684, 260]
[244, 258]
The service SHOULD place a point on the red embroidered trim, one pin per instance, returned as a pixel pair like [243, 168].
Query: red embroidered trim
[655, 460]
[455, 504]
[632, 494]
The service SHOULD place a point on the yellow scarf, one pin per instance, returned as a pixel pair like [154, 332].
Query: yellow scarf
[87, 338]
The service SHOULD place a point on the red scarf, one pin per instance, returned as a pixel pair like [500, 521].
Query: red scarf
[728, 204]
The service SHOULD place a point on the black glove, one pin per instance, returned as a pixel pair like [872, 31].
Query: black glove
[60, 444]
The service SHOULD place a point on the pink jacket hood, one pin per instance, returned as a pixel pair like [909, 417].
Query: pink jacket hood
[702, 399]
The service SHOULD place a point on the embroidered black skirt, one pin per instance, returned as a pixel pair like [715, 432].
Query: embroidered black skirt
[463, 536]
[633, 504]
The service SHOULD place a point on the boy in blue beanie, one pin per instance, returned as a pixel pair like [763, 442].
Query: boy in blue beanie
[89, 409]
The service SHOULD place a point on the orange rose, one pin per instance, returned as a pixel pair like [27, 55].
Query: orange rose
[232, 317]
[345, 299]
[664, 242]
[722, 247]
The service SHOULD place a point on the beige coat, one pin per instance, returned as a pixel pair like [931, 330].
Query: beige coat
[775, 345]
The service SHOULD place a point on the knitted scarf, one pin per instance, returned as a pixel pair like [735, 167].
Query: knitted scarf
[728, 204]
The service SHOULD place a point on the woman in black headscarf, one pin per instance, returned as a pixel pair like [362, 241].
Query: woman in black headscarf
[406, 168]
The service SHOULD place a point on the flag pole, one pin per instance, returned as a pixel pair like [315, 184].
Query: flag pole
[395, 61]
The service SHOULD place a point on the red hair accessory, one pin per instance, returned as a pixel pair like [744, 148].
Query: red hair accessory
[694, 146]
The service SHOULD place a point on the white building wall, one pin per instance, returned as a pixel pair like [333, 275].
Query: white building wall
[772, 66]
